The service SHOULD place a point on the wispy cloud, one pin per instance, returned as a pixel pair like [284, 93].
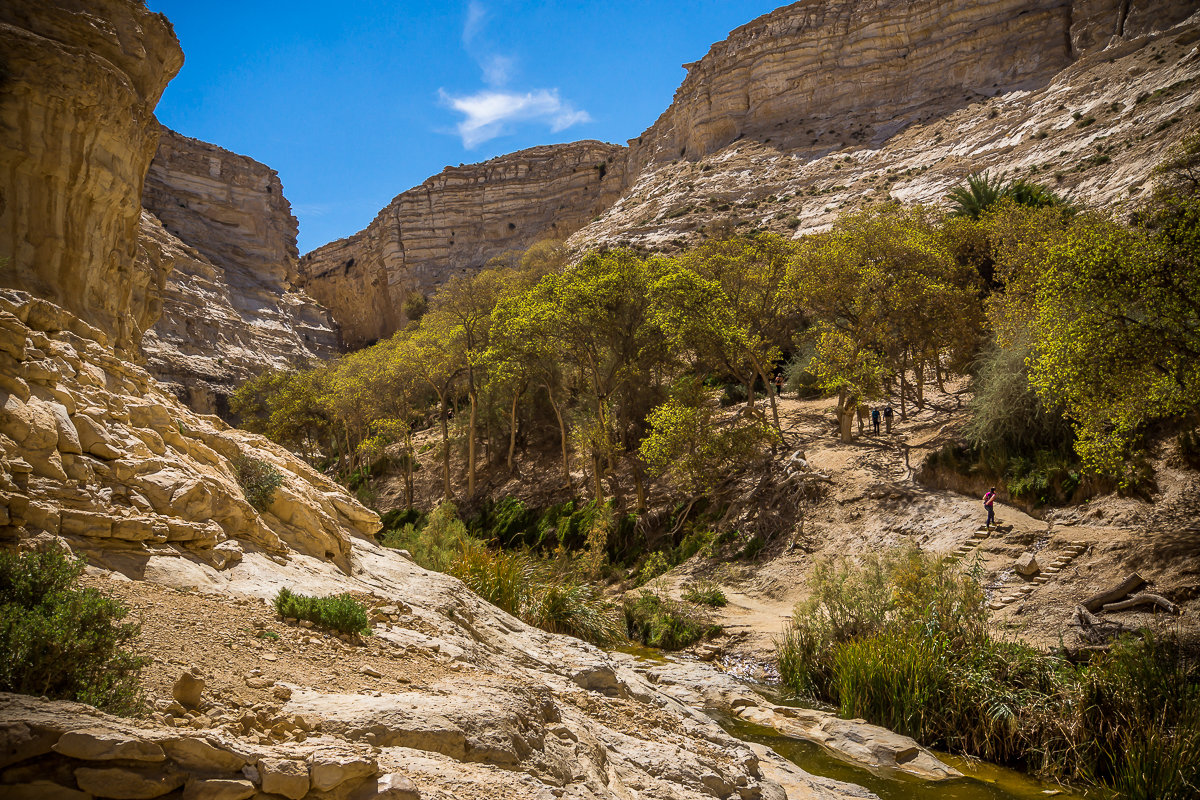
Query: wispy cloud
[497, 70]
[476, 18]
[489, 114]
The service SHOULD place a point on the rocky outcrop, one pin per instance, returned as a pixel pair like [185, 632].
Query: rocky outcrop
[456, 221]
[79, 85]
[220, 224]
[94, 450]
[1093, 130]
[704, 687]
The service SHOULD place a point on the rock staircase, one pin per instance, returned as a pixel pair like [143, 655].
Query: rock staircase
[1012, 594]
[965, 549]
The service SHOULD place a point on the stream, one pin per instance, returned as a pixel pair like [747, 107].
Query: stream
[982, 781]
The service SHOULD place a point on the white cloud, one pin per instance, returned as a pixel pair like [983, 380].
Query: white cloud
[476, 17]
[489, 114]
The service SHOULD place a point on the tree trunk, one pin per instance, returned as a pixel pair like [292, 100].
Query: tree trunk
[639, 483]
[937, 373]
[562, 437]
[445, 452]
[903, 387]
[512, 432]
[471, 447]
[771, 398]
[598, 488]
[845, 417]
[919, 382]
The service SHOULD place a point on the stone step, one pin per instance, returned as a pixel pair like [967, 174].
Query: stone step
[1053, 570]
[1041, 580]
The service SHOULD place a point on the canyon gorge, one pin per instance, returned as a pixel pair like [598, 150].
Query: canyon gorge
[145, 274]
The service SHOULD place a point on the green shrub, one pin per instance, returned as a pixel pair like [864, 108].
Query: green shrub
[656, 564]
[705, 593]
[661, 622]
[258, 480]
[920, 662]
[341, 612]
[62, 641]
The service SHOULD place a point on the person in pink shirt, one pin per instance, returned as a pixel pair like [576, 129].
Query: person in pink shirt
[988, 499]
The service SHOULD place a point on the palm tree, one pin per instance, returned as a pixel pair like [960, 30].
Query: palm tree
[974, 199]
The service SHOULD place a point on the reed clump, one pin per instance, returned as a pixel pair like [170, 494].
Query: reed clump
[901, 640]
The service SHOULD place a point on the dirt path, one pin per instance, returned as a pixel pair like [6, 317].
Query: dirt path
[873, 503]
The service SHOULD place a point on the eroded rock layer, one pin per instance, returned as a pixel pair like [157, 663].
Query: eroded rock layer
[79, 86]
[1093, 131]
[818, 72]
[455, 221]
[230, 305]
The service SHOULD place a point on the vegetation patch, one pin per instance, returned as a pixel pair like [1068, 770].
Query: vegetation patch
[340, 612]
[705, 593]
[258, 479]
[62, 641]
[552, 594]
[900, 640]
[658, 621]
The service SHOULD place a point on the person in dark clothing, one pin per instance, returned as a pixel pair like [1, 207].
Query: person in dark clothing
[988, 500]
[875, 420]
[779, 385]
[887, 417]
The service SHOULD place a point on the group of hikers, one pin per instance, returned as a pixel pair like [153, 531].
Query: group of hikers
[876, 415]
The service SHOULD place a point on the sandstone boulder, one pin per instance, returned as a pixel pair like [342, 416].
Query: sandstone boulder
[99, 744]
[284, 776]
[1027, 565]
[218, 789]
[187, 689]
[119, 783]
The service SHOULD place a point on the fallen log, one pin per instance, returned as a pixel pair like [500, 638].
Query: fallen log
[1123, 589]
[1145, 598]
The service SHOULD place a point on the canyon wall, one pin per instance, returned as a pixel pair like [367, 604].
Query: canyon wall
[832, 72]
[818, 109]
[230, 305]
[456, 221]
[77, 92]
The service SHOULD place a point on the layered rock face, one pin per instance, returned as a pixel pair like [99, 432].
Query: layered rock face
[76, 135]
[1092, 131]
[820, 72]
[96, 451]
[456, 221]
[222, 226]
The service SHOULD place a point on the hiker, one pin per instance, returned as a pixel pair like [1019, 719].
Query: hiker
[887, 417]
[988, 499]
[875, 420]
[779, 385]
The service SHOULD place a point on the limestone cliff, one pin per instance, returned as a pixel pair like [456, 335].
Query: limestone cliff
[230, 305]
[457, 220]
[77, 92]
[822, 72]
[817, 109]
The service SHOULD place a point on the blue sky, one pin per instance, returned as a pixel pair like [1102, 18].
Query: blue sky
[354, 102]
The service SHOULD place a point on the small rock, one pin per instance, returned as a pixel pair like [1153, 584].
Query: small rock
[269, 657]
[281, 692]
[392, 786]
[187, 689]
[284, 776]
[371, 671]
[1027, 565]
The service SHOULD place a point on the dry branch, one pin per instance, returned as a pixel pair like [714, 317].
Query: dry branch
[1130, 584]
[1142, 599]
